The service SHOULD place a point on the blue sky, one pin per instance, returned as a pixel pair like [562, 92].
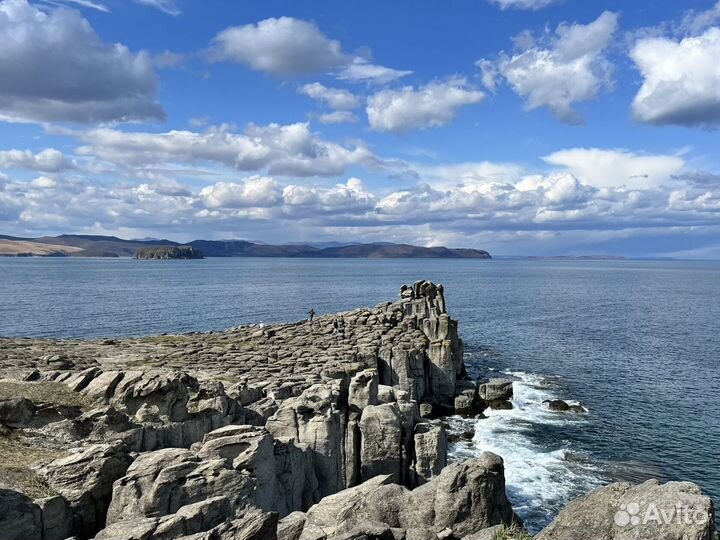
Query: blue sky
[518, 126]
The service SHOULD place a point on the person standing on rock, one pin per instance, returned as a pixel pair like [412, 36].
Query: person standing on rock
[311, 314]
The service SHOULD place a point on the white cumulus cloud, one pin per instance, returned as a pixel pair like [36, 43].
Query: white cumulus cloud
[48, 160]
[360, 70]
[254, 192]
[335, 98]
[431, 105]
[286, 46]
[681, 80]
[280, 46]
[55, 68]
[569, 68]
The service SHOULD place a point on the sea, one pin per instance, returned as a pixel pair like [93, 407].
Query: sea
[635, 342]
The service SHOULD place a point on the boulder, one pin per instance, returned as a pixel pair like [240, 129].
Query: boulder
[85, 479]
[246, 448]
[465, 498]
[16, 412]
[160, 483]
[621, 511]
[102, 387]
[291, 526]
[20, 517]
[209, 519]
[245, 393]
[253, 525]
[56, 518]
[194, 518]
[557, 405]
[132, 494]
[59, 362]
[495, 390]
[155, 396]
[259, 412]
[491, 533]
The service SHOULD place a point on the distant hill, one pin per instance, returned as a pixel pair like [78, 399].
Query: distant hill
[75, 245]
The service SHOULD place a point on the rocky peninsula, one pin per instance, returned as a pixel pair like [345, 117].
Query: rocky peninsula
[324, 429]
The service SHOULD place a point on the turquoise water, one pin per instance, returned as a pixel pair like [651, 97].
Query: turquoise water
[637, 342]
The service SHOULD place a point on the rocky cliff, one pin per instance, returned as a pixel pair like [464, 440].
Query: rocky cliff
[324, 429]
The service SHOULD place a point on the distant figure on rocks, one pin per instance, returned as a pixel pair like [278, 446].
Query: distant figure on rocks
[311, 314]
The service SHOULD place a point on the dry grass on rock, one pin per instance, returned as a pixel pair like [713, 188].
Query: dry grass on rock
[44, 393]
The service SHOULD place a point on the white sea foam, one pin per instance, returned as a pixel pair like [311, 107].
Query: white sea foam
[542, 476]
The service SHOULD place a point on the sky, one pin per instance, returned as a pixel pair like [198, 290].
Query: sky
[524, 127]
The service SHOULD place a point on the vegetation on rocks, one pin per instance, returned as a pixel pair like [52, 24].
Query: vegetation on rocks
[169, 252]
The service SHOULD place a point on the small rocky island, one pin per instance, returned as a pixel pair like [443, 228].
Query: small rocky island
[169, 252]
[330, 429]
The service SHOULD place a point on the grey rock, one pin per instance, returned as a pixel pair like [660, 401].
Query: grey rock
[160, 483]
[297, 484]
[194, 518]
[381, 439]
[671, 511]
[363, 390]
[58, 362]
[557, 405]
[316, 420]
[253, 525]
[245, 393]
[102, 387]
[495, 390]
[132, 494]
[85, 479]
[465, 497]
[431, 446]
[259, 412]
[20, 517]
[16, 412]
[246, 448]
[386, 394]
[56, 518]
[291, 526]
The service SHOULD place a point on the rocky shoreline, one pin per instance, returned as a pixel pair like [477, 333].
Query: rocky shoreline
[317, 430]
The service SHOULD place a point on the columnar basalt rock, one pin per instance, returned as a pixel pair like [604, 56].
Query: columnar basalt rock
[215, 436]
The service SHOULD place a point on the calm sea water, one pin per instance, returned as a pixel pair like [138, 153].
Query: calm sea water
[637, 342]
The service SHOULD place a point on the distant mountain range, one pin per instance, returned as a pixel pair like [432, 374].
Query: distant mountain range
[77, 245]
